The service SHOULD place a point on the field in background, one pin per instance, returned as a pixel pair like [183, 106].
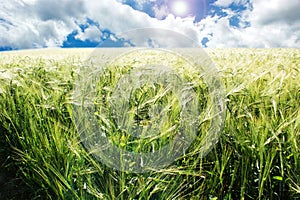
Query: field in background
[257, 157]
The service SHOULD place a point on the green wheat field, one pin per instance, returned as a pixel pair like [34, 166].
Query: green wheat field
[257, 156]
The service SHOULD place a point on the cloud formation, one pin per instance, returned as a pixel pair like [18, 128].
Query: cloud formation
[43, 23]
[226, 3]
[40, 23]
[270, 24]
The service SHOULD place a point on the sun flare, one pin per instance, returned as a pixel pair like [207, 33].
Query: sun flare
[180, 7]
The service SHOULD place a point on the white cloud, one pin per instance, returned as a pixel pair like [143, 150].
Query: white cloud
[58, 10]
[270, 12]
[275, 23]
[219, 32]
[30, 1]
[39, 23]
[161, 12]
[126, 19]
[91, 33]
[226, 3]
[272, 24]
[141, 3]
[223, 3]
[26, 26]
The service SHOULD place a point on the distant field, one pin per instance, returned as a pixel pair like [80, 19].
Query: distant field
[257, 156]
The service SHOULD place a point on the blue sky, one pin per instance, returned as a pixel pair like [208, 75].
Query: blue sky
[27, 24]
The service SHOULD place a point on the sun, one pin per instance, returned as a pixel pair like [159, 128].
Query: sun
[179, 7]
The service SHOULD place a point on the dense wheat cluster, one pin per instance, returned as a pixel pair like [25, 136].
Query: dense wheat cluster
[257, 156]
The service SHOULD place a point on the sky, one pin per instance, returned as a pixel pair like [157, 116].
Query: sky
[28, 24]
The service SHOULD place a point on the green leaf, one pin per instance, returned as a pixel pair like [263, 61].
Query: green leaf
[279, 178]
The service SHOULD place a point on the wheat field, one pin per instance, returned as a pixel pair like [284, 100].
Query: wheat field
[256, 157]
